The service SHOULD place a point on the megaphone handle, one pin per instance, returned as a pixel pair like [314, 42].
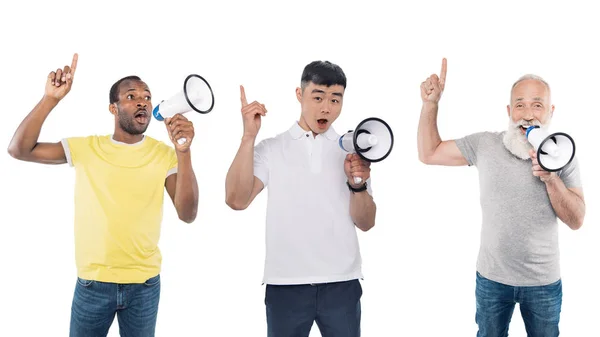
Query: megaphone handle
[181, 141]
[357, 180]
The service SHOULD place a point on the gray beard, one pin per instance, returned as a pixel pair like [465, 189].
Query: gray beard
[516, 142]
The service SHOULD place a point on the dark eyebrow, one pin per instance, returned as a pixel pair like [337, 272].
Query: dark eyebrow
[319, 91]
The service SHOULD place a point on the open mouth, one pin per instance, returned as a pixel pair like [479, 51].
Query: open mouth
[141, 117]
[322, 122]
[523, 129]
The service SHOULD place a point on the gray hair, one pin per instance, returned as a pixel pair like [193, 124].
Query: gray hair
[530, 77]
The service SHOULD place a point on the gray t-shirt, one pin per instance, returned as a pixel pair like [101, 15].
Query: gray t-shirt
[519, 232]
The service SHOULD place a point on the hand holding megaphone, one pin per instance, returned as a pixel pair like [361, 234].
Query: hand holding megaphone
[357, 168]
[251, 114]
[180, 128]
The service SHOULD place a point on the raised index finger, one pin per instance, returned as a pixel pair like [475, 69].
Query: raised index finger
[243, 96]
[74, 64]
[443, 73]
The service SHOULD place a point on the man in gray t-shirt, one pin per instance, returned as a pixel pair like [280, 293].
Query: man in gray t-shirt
[519, 260]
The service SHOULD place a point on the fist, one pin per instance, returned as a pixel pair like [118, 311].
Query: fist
[538, 171]
[354, 166]
[181, 132]
[432, 87]
[59, 82]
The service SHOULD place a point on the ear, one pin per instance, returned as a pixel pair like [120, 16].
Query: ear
[299, 94]
[113, 109]
[552, 110]
[508, 109]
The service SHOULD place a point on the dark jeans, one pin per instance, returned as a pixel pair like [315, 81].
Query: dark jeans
[540, 308]
[95, 305]
[292, 309]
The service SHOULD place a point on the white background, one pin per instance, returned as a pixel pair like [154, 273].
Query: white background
[419, 260]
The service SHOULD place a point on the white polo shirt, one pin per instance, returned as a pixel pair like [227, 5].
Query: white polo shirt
[310, 236]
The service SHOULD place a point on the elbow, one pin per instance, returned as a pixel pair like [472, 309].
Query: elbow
[187, 214]
[577, 224]
[234, 204]
[15, 152]
[188, 218]
[367, 227]
[424, 158]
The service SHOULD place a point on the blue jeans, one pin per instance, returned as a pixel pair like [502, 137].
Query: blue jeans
[95, 305]
[540, 308]
[292, 309]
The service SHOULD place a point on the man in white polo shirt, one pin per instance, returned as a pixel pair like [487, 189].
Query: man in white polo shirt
[313, 262]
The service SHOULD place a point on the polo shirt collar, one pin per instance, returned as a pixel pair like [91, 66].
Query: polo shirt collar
[297, 132]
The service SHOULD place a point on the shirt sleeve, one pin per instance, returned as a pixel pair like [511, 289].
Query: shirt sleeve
[468, 147]
[261, 162]
[570, 174]
[75, 148]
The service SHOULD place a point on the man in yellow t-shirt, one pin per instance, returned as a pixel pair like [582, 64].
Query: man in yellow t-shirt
[119, 190]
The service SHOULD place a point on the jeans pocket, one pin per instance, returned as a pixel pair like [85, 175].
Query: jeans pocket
[359, 288]
[152, 281]
[84, 283]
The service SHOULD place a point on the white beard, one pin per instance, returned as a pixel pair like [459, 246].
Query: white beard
[515, 141]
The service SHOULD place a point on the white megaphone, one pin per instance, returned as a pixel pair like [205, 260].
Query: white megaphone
[554, 151]
[196, 96]
[372, 140]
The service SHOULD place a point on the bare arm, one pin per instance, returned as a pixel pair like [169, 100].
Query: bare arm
[362, 205]
[432, 150]
[182, 187]
[25, 145]
[241, 186]
[363, 210]
[568, 203]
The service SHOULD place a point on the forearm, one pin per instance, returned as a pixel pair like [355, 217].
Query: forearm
[27, 134]
[428, 137]
[186, 195]
[568, 206]
[362, 210]
[240, 177]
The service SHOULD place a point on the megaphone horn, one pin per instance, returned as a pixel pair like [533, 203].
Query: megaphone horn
[553, 151]
[197, 95]
[372, 140]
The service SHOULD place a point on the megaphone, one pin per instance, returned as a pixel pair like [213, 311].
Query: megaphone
[372, 140]
[554, 151]
[196, 96]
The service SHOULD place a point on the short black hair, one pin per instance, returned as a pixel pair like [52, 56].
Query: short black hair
[114, 90]
[323, 73]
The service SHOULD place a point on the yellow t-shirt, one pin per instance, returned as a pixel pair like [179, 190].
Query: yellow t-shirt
[119, 192]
